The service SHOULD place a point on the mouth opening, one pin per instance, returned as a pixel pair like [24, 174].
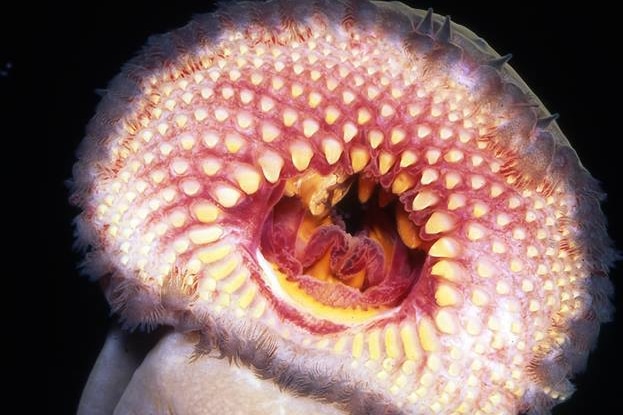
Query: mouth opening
[344, 241]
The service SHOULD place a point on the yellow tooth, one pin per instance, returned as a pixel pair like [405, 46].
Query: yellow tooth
[456, 201]
[375, 137]
[502, 288]
[187, 141]
[374, 346]
[180, 245]
[348, 97]
[235, 283]
[445, 321]
[270, 132]
[177, 218]
[214, 253]
[365, 189]
[301, 153]
[449, 270]
[363, 116]
[256, 78]
[359, 158]
[200, 114]
[149, 157]
[248, 179]
[477, 160]
[392, 345]
[168, 194]
[429, 176]
[332, 83]
[408, 158]
[477, 182]
[246, 96]
[259, 309]
[432, 156]
[387, 111]
[170, 104]
[424, 199]
[349, 131]
[244, 119]
[331, 114]
[484, 268]
[480, 209]
[452, 179]
[271, 164]
[527, 286]
[289, 117]
[446, 295]
[181, 120]
[373, 92]
[402, 183]
[439, 222]
[157, 176]
[247, 297]
[162, 128]
[473, 327]
[454, 156]
[410, 342]
[220, 271]
[414, 109]
[386, 161]
[475, 232]
[206, 93]
[296, 90]
[206, 212]
[397, 135]
[314, 99]
[221, 114]
[234, 75]
[480, 297]
[407, 230]
[332, 150]
[191, 187]
[205, 234]
[357, 345]
[498, 247]
[314, 74]
[233, 143]
[210, 139]
[428, 335]
[227, 196]
[496, 190]
[503, 219]
[277, 82]
[423, 131]
[179, 166]
[310, 127]
[266, 104]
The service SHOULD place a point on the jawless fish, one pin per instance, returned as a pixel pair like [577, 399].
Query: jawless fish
[338, 207]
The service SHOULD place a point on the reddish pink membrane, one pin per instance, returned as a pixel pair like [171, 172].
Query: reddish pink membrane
[364, 193]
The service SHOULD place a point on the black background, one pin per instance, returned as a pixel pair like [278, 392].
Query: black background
[565, 53]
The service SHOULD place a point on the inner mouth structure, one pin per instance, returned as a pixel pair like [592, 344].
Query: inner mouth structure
[341, 248]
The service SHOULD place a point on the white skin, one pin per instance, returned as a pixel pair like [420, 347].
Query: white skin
[166, 380]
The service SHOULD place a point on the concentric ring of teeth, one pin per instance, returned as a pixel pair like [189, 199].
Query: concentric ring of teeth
[176, 184]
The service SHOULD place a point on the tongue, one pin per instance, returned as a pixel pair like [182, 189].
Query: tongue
[348, 256]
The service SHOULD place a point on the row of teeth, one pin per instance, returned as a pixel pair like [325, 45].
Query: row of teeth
[205, 149]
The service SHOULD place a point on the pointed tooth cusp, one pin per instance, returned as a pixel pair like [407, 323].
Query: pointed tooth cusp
[271, 164]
